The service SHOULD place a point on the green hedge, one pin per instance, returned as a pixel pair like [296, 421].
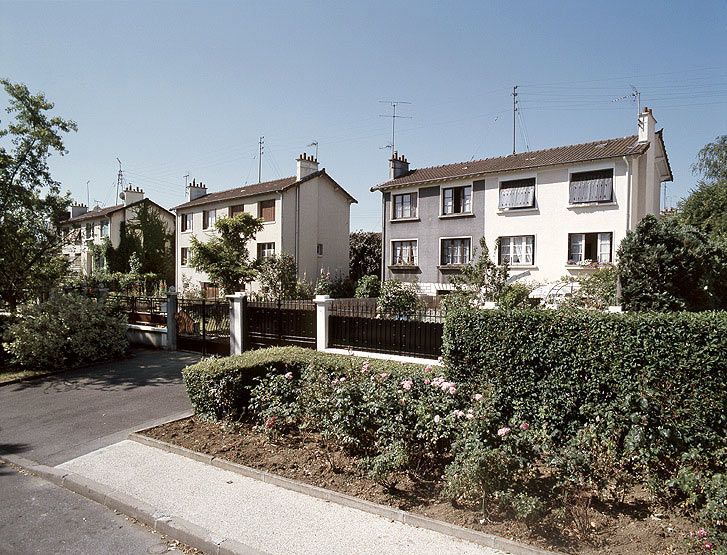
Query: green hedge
[220, 387]
[653, 383]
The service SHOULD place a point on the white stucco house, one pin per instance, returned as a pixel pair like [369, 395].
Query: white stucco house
[85, 228]
[554, 212]
[306, 215]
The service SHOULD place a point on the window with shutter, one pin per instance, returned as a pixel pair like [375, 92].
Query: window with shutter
[593, 186]
[518, 193]
[266, 210]
[237, 209]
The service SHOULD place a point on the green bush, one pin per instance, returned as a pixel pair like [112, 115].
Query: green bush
[66, 331]
[368, 287]
[397, 298]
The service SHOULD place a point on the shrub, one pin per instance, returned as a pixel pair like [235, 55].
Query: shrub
[342, 288]
[66, 331]
[398, 299]
[368, 287]
[597, 289]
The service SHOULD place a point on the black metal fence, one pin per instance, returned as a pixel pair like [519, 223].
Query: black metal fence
[279, 323]
[150, 311]
[203, 326]
[361, 326]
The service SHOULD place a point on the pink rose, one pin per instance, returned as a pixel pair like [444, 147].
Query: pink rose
[470, 415]
[437, 418]
[524, 426]
[459, 413]
[452, 389]
[342, 380]
[708, 546]
[504, 431]
[428, 368]
[426, 381]
[478, 397]
[289, 376]
[365, 366]
[270, 422]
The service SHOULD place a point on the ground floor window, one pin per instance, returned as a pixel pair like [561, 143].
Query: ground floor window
[518, 250]
[587, 248]
[183, 256]
[455, 251]
[404, 253]
[265, 250]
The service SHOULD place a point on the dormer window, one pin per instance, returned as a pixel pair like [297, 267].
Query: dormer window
[518, 193]
[457, 200]
[405, 206]
[592, 186]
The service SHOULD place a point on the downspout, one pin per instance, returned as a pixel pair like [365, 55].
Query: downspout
[383, 237]
[297, 227]
[628, 192]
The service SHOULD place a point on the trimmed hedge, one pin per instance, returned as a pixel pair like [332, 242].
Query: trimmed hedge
[654, 383]
[220, 387]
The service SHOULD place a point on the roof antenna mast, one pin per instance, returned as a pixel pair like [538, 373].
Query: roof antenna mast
[261, 148]
[514, 113]
[119, 179]
[393, 116]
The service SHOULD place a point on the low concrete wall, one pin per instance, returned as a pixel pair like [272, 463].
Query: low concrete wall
[147, 336]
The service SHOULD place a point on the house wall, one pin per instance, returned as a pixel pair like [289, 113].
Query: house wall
[550, 221]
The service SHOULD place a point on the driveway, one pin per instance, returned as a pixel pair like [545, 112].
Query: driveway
[55, 419]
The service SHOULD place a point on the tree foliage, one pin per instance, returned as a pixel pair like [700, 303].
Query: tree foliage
[480, 281]
[278, 278]
[31, 203]
[665, 265]
[225, 257]
[365, 254]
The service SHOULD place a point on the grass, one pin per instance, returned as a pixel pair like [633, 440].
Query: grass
[9, 373]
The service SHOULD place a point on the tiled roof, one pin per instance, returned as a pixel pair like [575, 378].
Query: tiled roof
[97, 213]
[597, 150]
[257, 189]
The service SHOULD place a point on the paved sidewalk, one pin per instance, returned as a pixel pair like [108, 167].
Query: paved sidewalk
[260, 515]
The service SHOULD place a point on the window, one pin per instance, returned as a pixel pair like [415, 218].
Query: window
[104, 228]
[237, 209]
[455, 251]
[265, 250]
[266, 210]
[457, 200]
[319, 249]
[405, 206]
[186, 223]
[518, 193]
[89, 231]
[404, 253]
[587, 248]
[99, 261]
[517, 251]
[208, 218]
[595, 186]
[210, 290]
[183, 255]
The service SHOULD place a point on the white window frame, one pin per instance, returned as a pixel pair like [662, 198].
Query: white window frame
[507, 178]
[265, 253]
[107, 227]
[211, 218]
[184, 260]
[443, 188]
[416, 254]
[190, 227]
[511, 243]
[572, 261]
[441, 243]
[414, 216]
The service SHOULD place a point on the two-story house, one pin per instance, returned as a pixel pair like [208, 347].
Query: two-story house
[548, 213]
[306, 215]
[86, 228]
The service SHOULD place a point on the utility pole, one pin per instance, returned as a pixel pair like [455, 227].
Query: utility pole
[260, 144]
[393, 116]
[514, 112]
[119, 181]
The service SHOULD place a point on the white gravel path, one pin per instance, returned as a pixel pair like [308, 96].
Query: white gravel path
[257, 514]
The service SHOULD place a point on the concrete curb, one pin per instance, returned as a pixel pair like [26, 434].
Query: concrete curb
[172, 526]
[452, 530]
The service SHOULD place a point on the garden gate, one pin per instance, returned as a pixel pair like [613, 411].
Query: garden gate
[203, 326]
[278, 323]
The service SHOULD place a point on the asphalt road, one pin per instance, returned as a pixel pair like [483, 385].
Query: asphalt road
[55, 419]
[39, 517]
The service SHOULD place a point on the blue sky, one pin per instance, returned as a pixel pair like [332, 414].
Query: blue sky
[175, 88]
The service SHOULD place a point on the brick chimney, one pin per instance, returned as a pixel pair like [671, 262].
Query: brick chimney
[305, 165]
[130, 195]
[398, 166]
[647, 125]
[196, 190]
[78, 209]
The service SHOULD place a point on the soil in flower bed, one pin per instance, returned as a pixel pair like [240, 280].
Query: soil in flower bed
[631, 528]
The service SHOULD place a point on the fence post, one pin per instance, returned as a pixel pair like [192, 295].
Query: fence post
[323, 308]
[171, 319]
[238, 323]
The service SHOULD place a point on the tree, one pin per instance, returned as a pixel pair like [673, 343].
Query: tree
[706, 206]
[278, 277]
[665, 265]
[365, 254]
[481, 280]
[225, 258]
[31, 204]
[156, 252]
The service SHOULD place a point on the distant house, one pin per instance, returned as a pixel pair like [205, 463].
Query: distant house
[306, 215]
[86, 228]
[554, 212]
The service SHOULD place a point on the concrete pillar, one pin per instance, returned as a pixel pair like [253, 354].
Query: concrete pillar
[323, 308]
[238, 322]
[171, 319]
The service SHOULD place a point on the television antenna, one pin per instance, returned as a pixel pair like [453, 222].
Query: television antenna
[394, 104]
